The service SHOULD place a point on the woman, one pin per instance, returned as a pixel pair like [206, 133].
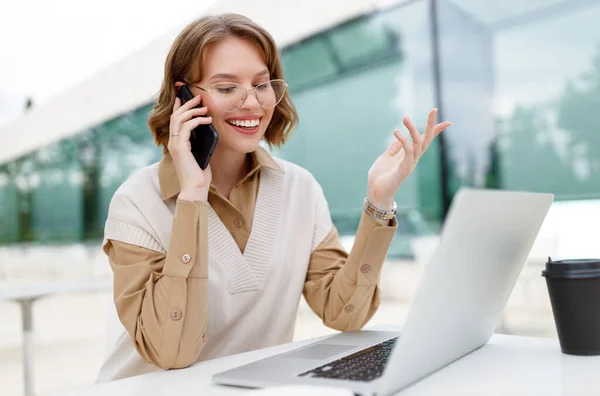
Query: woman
[211, 263]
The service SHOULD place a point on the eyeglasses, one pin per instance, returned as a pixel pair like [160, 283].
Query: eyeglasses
[230, 96]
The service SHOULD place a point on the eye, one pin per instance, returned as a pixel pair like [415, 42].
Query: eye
[226, 89]
[262, 86]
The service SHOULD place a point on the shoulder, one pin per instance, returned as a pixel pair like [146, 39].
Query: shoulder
[297, 175]
[136, 214]
[140, 186]
[302, 186]
[305, 192]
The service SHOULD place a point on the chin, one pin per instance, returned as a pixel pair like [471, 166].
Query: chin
[243, 146]
[248, 148]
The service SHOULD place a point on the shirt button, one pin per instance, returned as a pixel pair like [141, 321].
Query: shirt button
[365, 268]
[186, 258]
[349, 308]
[238, 222]
[176, 314]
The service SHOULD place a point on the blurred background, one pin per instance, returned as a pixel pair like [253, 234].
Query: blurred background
[519, 79]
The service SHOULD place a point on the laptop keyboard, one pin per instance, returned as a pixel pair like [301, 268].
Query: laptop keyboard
[365, 365]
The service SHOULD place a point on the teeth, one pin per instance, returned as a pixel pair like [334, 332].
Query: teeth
[244, 123]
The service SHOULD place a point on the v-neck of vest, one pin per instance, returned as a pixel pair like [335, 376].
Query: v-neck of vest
[247, 271]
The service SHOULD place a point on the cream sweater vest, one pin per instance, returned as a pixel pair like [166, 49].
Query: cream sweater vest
[254, 296]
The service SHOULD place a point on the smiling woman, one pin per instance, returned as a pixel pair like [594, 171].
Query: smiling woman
[260, 226]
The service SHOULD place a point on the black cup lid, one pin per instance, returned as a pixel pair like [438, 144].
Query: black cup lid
[574, 268]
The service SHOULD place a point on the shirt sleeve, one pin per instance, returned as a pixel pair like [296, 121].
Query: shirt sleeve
[162, 299]
[341, 288]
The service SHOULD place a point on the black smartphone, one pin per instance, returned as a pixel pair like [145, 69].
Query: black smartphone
[203, 138]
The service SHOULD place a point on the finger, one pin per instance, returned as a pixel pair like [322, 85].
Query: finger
[429, 132]
[177, 121]
[409, 152]
[188, 115]
[439, 128]
[183, 133]
[176, 105]
[195, 101]
[395, 147]
[415, 136]
[193, 123]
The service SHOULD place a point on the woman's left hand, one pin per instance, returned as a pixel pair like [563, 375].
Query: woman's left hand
[393, 167]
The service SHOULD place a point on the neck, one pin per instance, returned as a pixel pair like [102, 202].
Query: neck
[228, 168]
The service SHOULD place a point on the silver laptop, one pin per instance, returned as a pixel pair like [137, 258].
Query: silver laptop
[485, 241]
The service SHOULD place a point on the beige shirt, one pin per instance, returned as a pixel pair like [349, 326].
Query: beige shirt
[141, 301]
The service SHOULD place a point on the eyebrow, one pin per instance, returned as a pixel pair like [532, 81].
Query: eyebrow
[233, 76]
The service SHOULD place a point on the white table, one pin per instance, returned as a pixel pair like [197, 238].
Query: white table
[25, 296]
[508, 365]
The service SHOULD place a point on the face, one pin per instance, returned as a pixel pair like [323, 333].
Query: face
[236, 60]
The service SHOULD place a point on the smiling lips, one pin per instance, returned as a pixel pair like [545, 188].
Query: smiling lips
[247, 125]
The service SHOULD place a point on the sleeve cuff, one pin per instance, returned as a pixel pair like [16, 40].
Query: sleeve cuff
[370, 249]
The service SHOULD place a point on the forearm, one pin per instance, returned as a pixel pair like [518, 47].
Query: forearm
[342, 289]
[162, 300]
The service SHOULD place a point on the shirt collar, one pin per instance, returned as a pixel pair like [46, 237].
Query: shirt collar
[169, 183]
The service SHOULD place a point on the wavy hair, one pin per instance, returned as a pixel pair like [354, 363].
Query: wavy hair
[184, 63]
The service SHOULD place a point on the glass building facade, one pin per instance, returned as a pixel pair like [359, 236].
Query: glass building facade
[520, 80]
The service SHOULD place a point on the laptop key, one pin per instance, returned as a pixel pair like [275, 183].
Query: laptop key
[365, 365]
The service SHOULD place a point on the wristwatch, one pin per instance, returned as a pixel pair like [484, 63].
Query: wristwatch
[379, 213]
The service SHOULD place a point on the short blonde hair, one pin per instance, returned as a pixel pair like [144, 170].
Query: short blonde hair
[184, 63]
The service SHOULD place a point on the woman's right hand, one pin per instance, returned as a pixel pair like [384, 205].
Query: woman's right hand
[194, 181]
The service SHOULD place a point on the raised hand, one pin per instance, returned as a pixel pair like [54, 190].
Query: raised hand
[392, 167]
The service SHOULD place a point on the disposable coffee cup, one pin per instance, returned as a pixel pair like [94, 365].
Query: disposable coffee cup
[574, 289]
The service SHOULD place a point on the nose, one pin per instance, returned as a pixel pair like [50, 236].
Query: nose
[251, 102]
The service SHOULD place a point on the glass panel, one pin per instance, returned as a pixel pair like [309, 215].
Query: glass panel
[499, 12]
[9, 210]
[56, 200]
[523, 100]
[62, 192]
[466, 73]
[308, 62]
[125, 145]
[22, 177]
[548, 96]
[364, 41]
[346, 123]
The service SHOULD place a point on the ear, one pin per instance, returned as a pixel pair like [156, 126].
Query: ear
[179, 84]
